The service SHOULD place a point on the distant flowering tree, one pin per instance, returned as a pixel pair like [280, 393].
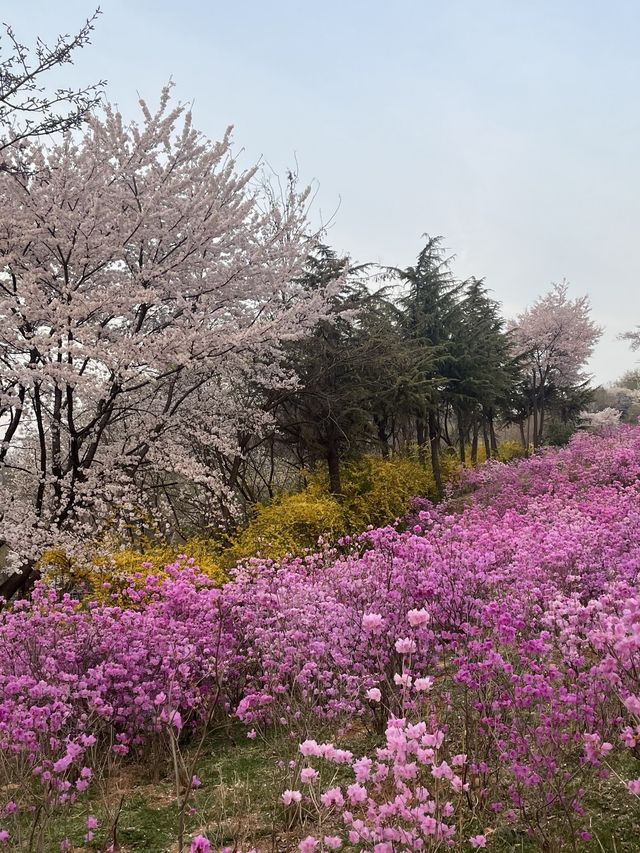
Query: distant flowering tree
[554, 337]
[143, 278]
[608, 417]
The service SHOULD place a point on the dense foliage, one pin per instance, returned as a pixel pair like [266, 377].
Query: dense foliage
[496, 647]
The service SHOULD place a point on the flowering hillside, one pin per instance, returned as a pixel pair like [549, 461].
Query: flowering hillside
[471, 681]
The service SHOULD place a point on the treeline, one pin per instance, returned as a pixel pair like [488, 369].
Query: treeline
[415, 361]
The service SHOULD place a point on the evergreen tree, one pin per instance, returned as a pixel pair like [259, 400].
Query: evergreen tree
[431, 316]
[483, 369]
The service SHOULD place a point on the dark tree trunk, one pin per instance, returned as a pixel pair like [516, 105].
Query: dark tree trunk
[461, 447]
[492, 435]
[536, 439]
[20, 583]
[383, 438]
[446, 427]
[421, 438]
[434, 444]
[523, 438]
[474, 444]
[485, 439]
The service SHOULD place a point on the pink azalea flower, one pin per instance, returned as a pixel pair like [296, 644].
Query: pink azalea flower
[418, 618]
[290, 797]
[405, 646]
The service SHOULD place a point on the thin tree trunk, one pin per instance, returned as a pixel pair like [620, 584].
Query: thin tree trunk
[474, 444]
[535, 412]
[492, 435]
[446, 427]
[485, 439]
[463, 453]
[421, 439]
[333, 468]
[434, 444]
[382, 438]
[523, 438]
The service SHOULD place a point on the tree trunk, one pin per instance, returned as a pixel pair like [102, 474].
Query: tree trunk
[523, 438]
[434, 444]
[485, 439]
[492, 435]
[421, 439]
[463, 454]
[446, 427]
[535, 413]
[19, 583]
[474, 444]
[382, 438]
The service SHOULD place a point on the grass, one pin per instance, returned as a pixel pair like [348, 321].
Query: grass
[238, 803]
[236, 800]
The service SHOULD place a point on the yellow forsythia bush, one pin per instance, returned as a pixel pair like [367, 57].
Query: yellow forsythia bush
[110, 573]
[507, 450]
[375, 492]
[289, 524]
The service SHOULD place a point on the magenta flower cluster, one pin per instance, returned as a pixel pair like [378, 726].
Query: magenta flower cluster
[504, 627]
[82, 686]
[401, 799]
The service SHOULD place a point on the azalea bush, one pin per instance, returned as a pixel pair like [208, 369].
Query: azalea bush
[82, 688]
[488, 647]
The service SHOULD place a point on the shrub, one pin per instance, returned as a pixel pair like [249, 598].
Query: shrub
[290, 524]
[113, 573]
[509, 450]
[375, 492]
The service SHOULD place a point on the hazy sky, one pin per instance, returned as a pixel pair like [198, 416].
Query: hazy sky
[510, 127]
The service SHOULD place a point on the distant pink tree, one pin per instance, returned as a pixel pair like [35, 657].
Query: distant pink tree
[604, 419]
[143, 281]
[555, 337]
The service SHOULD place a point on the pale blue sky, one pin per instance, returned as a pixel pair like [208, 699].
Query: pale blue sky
[510, 127]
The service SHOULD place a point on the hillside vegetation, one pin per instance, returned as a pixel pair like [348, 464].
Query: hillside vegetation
[468, 679]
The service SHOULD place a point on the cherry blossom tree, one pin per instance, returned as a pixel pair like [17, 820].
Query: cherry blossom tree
[604, 419]
[144, 279]
[554, 338]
